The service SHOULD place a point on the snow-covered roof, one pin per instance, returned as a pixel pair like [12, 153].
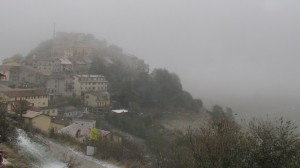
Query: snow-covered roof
[120, 111]
[65, 61]
[89, 76]
[87, 60]
[72, 130]
[104, 133]
[81, 131]
[108, 60]
[31, 114]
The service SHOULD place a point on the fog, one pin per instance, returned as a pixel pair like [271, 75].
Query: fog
[242, 54]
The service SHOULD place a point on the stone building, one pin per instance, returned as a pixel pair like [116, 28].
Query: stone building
[59, 85]
[53, 65]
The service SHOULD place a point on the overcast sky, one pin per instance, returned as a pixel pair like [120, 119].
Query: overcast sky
[224, 51]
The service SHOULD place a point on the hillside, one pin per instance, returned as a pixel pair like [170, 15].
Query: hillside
[157, 103]
[165, 126]
[130, 82]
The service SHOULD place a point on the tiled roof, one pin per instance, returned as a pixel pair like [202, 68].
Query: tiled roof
[73, 129]
[20, 68]
[108, 60]
[77, 60]
[84, 131]
[45, 59]
[87, 60]
[65, 61]
[104, 133]
[24, 92]
[31, 114]
[4, 67]
[34, 70]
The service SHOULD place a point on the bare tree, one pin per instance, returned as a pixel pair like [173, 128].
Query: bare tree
[70, 160]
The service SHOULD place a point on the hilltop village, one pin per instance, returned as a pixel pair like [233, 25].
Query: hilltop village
[36, 86]
[83, 90]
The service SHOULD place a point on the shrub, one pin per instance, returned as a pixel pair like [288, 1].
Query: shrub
[221, 143]
[8, 132]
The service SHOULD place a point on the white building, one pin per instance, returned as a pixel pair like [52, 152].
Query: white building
[83, 83]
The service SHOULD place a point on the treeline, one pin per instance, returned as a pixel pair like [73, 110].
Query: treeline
[223, 144]
[135, 90]
[142, 126]
[219, 143]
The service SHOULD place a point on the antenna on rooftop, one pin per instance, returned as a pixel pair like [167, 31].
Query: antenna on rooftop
[54, 30]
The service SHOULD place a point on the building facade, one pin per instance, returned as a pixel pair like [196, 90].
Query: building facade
[59, 85]
[81, 64]
[22, 73]
[32, 75]
[79, 50]
[37, 97]
[97, 99]
[52, 65]
[12, 72]
[39, 121]
[84, 83]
